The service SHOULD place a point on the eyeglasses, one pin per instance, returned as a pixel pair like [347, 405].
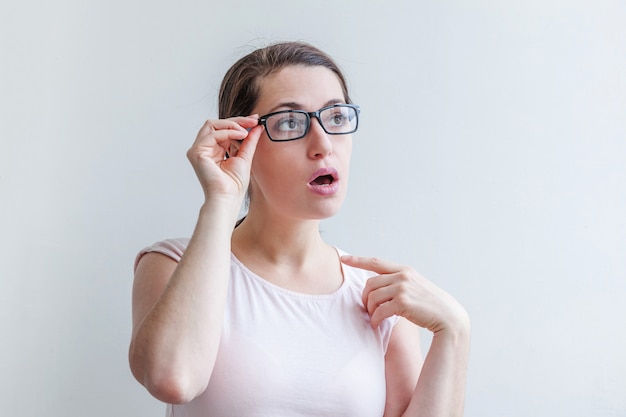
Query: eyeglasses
[338, 119]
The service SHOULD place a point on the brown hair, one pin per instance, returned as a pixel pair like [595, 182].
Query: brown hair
[239, 91]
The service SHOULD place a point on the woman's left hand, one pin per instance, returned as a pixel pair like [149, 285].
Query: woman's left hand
[399, 290]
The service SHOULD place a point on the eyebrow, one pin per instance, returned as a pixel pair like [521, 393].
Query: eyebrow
[292, 105]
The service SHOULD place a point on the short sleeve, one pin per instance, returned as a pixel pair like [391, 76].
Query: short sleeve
[360, 276]
[386, 327]
[172, 248]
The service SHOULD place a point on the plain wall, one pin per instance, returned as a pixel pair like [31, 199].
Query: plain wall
[491, 157]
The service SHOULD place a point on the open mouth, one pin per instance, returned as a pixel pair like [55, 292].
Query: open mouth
[324, 176]
[323, 180]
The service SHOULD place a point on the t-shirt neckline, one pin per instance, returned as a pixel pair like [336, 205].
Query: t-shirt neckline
[277, 288]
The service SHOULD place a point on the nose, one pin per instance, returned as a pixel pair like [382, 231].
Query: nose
[319, 143]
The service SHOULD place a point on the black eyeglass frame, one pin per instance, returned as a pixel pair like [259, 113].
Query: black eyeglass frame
[316, 114]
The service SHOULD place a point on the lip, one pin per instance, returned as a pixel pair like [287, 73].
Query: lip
[324, 189]
[324, 171]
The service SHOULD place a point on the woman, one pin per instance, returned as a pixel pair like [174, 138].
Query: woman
[264, 318]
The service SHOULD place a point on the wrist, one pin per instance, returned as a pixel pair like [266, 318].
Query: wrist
[221, 204]
[221, 210]
[458, 328]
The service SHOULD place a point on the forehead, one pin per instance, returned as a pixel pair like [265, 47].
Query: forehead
[310, 87]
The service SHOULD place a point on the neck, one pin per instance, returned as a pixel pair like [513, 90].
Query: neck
[287, 251]
[278, 240]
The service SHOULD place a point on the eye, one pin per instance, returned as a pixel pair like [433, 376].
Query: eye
[288, 123]
[338, 118]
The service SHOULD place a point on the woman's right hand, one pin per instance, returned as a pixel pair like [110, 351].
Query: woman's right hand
[220, 176]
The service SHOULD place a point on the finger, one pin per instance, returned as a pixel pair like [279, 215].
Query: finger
[211, 125]
[216, 143]
[235, 128]
[248, 146]
[373, 284]
[371, 264]
[382, 312]
[213, 144]
[377, 297]
[248, 123]
[224, 137]
[245, 122]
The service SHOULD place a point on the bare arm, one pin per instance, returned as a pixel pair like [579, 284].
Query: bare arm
[178, 308]
[178, 312]
[403, 363]
[440, 388]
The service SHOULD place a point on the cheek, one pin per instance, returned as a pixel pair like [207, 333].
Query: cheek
[262, 155]
[345, 152]
[349, 151]
[270, 164]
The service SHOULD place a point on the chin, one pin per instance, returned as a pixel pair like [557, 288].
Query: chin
[325, 210]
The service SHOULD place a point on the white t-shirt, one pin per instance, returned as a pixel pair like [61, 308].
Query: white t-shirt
[284, 353]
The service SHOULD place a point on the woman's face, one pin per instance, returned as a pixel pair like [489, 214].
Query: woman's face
[305, 178]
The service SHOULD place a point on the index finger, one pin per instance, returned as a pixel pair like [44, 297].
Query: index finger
[247, 122]
[373, 264]
[239, 124]
[221, 131]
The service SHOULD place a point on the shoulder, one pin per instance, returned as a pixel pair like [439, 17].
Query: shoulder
[172, 248]
[352, 273]
[356, 278]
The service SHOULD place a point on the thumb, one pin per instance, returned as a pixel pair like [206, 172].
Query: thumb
[248, 147]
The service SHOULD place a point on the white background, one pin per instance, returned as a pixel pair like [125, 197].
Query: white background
[491, 157]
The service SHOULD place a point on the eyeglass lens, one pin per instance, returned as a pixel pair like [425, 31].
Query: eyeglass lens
[294, 124]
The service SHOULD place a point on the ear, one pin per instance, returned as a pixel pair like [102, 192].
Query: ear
[234, 146]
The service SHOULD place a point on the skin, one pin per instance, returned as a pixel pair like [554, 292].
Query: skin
[280, 239]
[281, 232]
